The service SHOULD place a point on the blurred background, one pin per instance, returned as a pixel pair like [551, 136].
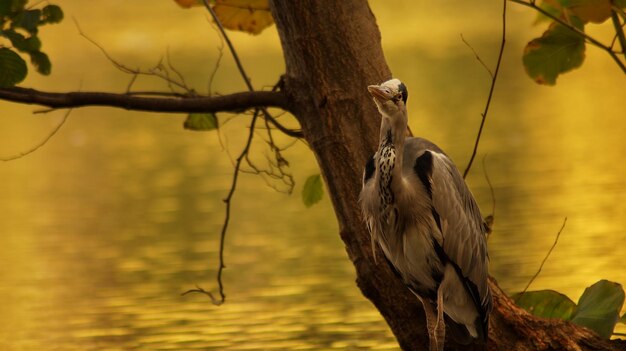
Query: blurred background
[119, 213]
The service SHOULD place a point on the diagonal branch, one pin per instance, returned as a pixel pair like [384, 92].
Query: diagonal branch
[228, 201]
[231, 102]
[619, 31]
[494, 76]
[40, 144]
[556, 240]
[244, 155]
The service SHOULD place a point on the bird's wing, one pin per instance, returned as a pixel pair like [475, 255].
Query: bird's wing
[463, 229]
[369, 201]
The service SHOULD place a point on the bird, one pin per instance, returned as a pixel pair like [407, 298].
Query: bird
[422, 215]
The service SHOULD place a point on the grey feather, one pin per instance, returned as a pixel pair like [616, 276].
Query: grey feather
[420, 212]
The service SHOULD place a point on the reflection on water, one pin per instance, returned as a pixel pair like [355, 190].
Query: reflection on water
[105, 226]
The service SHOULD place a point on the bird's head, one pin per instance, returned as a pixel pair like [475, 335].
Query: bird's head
[390, 96]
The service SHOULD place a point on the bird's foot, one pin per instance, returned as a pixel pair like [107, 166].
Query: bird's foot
[440, 326]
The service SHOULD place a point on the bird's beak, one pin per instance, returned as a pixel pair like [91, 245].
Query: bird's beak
[379, 93]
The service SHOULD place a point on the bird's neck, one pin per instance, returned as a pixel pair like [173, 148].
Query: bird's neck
[390, 153]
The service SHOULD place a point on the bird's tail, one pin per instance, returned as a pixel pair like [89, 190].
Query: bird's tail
[457, 332]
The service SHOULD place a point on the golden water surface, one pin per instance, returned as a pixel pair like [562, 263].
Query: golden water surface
[103, 227]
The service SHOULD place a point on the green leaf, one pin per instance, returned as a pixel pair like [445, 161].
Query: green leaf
[12, 68]
[599, 306]
[17, 39]
[29, 20]
[201, 121]
[18, 5]
[22, 43]
[5, 8]
[41, 62]
[9, 6]
[559, 50]
[32, 43]
[545, 303]
[553, 8]
[51, 14]
[312, 191]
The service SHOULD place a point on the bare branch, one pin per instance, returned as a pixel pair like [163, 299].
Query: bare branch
[158, 70]
[230, 45]
[490, 219]
[493, 84]
[266, 114]
[220, 55]
[556, 240]
[231, 102]
[42, 143]
[275, 171]
[277, 165]
[176, 71]
[476, 55]
[618, 30]
[228, 201]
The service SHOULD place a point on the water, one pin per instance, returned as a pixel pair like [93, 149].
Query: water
[106, 225]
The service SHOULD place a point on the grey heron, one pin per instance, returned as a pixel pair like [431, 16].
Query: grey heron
[420, 212]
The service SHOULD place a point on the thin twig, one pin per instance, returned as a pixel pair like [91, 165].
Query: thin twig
[476, 55]
[228, 201]
[588, 38]
[619, 11]
[36, 3]
[556, 240]
[489, 220]
[135, 72]
[229, 43]
[266, 114]
[491, 89]
[294, 133]
[493, 194]
[220, 55]
[276, 167]
[244, 155]
[171, 66]
[42, 143]
[618, 30]
[131, 82]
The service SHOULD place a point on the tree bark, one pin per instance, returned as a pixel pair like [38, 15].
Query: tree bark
[332, 53]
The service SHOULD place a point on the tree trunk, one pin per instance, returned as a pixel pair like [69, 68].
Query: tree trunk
[332, 53]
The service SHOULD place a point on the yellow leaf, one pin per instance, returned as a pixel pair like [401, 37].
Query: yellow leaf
[188, 3]
[596, 11]
[250, 16]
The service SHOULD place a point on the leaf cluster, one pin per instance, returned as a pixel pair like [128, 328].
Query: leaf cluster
[19, 26]
[598, 308]
[561, 48]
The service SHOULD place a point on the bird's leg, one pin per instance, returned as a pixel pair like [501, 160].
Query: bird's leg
[431, 323]
[440, 327]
